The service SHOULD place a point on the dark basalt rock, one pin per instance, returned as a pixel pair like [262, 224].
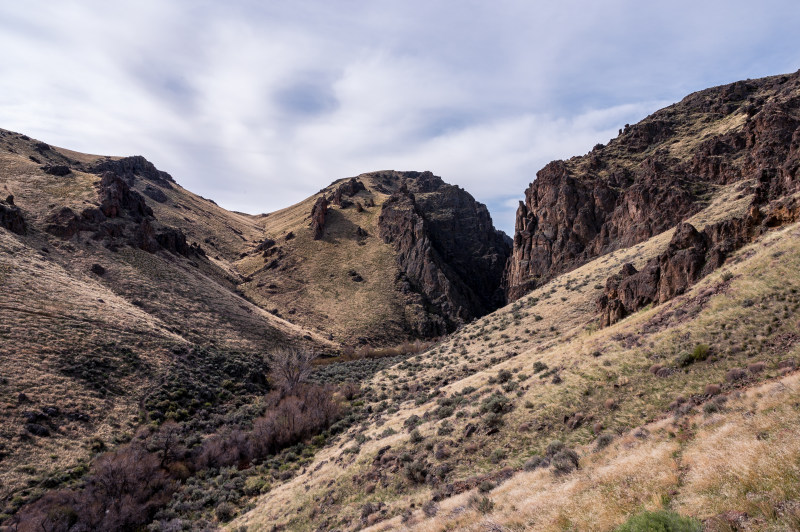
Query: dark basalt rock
[56, 169]
[318, 213]
[37, 430]
[349, 188]
[131, 167]
[98, 270]
[265, 245]
[122, 218]
[690, 256]
[448, 251]
[156, 194]
[639, 185]
[11, 217]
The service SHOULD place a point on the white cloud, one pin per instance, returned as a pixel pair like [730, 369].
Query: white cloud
[258, 105]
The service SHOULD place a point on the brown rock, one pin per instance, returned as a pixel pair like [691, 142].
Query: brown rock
[627, 191]
[318, 213]
[447, 248]
[11, 217]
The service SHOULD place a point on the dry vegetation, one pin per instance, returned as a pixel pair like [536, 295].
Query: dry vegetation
[477, 409]
[86, 358]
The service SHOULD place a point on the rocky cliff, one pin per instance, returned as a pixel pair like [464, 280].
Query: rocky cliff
[655, 174]
[447, 249]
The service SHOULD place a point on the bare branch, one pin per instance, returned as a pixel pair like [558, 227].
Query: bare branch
[291, 366]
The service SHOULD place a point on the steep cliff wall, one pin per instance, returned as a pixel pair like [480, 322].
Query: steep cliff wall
[447, 248]
[655, 174]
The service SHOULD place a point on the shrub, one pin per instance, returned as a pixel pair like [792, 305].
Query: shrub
[564, 462]
[535, 463]
[497, 455]
[444, 412]
[496, 403]
[756, 367]
[481, 503]
[660, 521]
[504, 376]
[416, 471]
[539, 366]
[412, 422]
[430, 509]
[736, 374]
[416, 436]
[553, 448]
[700, 353]
[225, 512]
[712, 389]
[604, 440]
[486, 486]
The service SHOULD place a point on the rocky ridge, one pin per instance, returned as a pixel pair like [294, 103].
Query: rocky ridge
[656, 174]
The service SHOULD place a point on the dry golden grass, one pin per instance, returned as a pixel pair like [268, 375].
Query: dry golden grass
[741, 311]
[52, 309]
[313, 279]
[745, 459]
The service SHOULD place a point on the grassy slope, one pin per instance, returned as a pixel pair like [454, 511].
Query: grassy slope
[313, 280]
[96, 345]
[747, 315]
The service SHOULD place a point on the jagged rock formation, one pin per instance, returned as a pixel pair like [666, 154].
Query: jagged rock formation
[122, 218]
[349, 188]
[656, 174]
[447, 248]
[56, 169]
[130, 167]
[11, 217]
[318, 213]
[690, 256]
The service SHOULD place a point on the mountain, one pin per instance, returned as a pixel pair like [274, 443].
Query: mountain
[379, 258]
[139, 300]
[655, 174]
[644, 369]
[646, 362]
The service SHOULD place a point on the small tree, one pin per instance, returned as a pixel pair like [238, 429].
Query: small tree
[291, 366]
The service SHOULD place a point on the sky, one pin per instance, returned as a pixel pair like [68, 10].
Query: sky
[259, 104]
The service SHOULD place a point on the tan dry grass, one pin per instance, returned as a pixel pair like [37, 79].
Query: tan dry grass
[560, 334]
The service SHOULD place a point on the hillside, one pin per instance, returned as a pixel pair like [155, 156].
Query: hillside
[647, 406]
[127, 299]
[106, 303]
[646, 359]
[655, 174]
[379, 258]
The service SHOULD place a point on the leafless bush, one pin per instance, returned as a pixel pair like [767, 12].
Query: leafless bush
[290, 367]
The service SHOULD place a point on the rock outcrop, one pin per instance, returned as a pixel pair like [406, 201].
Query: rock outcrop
[59, 170]
[349, 188]
[318, 213]
[11, 217]
[690, 256]
[656, 174]
[122, 218]
[450, 255]
[130, 167]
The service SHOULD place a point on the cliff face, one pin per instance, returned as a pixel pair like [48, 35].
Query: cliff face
[655, 174]
[447, 249]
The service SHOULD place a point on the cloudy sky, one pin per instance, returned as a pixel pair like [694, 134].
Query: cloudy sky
[258, 104]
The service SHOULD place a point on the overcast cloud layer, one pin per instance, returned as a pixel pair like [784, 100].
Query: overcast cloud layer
[260, 104]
